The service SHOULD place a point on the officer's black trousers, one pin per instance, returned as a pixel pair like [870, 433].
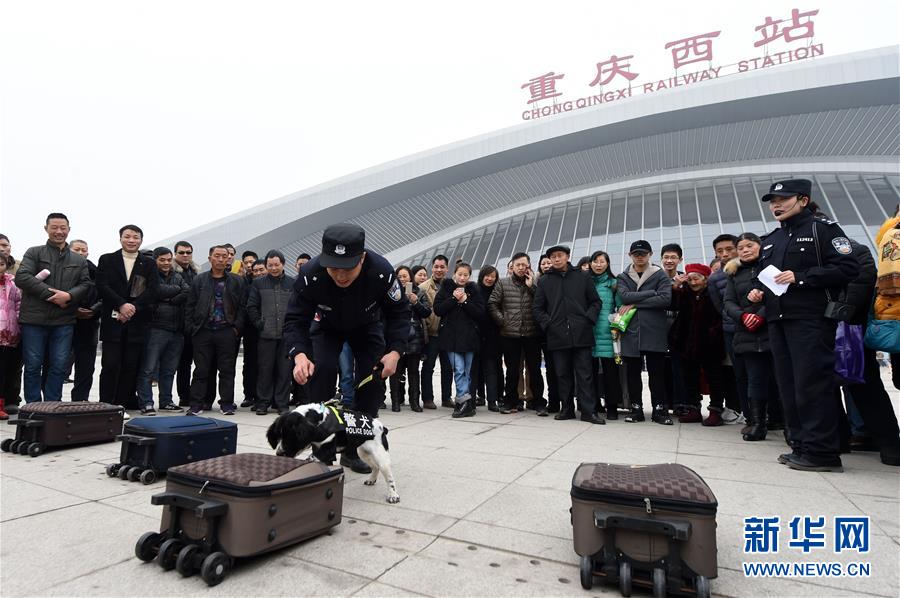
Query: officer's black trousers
[368, 347]
[803, 352]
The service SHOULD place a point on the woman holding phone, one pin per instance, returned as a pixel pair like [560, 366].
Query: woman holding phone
[409, 361]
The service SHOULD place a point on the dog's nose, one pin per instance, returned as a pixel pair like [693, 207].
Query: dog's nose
[279, 452]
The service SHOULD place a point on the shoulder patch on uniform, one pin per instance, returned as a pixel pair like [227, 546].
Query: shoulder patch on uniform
[394, 293]
[842, 245]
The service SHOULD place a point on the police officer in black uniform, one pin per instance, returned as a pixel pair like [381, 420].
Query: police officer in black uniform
[346, 293]
[815, 259]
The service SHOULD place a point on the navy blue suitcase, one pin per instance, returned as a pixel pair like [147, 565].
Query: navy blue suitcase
[151, 445]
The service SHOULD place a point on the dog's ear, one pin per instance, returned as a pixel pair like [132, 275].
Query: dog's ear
[313, 417]
[276, 431]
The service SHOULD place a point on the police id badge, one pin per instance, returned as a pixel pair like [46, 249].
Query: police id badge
[842, 245]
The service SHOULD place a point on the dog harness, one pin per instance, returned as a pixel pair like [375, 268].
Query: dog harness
[341, 429]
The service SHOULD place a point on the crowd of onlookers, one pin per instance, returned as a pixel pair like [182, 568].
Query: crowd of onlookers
[166, 323]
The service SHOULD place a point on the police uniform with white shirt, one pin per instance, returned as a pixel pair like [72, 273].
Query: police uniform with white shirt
[800, 334]
[372, 315]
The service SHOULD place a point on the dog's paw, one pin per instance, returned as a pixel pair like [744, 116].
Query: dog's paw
[393, 499]
[370, 482]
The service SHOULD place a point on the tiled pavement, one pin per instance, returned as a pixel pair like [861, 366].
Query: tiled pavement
[484, 511]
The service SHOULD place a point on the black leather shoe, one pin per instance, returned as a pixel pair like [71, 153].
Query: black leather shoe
[661, 416]
[890, 455]
[593, 418]
[802, 463]
[783, 458]
[564, 415]
[541, 412]
[357, 464]
[262, 411]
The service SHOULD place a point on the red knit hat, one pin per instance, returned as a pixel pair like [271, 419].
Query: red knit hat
[698, 269]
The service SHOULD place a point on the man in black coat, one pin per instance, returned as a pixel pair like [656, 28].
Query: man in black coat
[347, 294]
[566, 306]
[87, 328]
[128, 283]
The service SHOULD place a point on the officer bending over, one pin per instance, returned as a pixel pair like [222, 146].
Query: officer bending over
[346, 293]
[815, 259]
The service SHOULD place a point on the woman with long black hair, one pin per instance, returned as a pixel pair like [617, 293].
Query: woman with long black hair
[488, 360]
[410, 361]
[607, 382]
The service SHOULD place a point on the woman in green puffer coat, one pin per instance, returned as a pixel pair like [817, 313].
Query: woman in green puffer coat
[606, 372]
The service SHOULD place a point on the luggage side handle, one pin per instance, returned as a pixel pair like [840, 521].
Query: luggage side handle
[678, 530]
[204, 509]
[138, 440]
[26, 423]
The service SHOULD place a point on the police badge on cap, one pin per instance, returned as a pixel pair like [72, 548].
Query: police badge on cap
[342, 246]
[789, 188]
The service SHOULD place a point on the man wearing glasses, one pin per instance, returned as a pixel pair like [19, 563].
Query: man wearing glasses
[184, 265]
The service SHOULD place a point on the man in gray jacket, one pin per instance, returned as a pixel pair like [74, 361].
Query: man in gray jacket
[511, 306]
[647, 288]
[266, 307]
[53, 281]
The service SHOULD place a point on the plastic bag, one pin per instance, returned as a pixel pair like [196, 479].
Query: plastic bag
[620, 322]
[849, 359]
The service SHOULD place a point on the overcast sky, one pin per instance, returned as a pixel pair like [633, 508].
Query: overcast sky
[168, 114]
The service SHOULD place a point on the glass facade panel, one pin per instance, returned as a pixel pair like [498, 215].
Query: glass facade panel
[479, 253]
[885, 193]
[748, 201]
[687, 206]
[709, 214]
[537, 233]
[837, 200]
[651, 208]
[552, 236]
[567, 232]
[509, 242]
[864, 201]
[728, 210]
[601, 217]
[669, 208]
[634, 211]
[498, 240]
[583, 231]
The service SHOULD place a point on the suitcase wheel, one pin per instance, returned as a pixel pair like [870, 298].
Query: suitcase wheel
[148, 476]
[701, 586]
[587, 572]
[14, 446]
[133, 474]
[214, 568]
[659, 583]
[35, 449]
[6, 444]
[168, 553]
[123, 472]
[23, 447]
[147, 546]
[112, 470]
[187, 561]
[625, 579]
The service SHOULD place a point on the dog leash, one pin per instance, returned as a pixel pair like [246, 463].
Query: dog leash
[376, 370]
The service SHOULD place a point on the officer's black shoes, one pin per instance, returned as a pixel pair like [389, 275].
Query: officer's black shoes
[802, 463]
[541, 412]
[661, 416]
[564, 414]
[465, 409]
[355, 463]
[429, 405]
[636, 415]
[593, 418]
[890, 455]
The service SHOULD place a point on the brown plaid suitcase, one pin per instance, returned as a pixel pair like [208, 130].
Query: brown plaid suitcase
[56, 423]
[240, 505]
[647, 525]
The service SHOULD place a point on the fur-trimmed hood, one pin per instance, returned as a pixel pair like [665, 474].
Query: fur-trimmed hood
[732, 266]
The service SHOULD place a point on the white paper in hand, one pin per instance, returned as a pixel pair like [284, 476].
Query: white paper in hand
[767, 277]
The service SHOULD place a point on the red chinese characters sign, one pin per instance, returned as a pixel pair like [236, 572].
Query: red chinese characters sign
[696, 49]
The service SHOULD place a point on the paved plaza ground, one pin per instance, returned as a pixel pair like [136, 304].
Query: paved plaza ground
[484, 511]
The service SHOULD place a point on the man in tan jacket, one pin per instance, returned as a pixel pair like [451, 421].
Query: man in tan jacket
[439, 266]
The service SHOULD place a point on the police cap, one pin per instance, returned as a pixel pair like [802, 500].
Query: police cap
[342, 246]
[789, 188]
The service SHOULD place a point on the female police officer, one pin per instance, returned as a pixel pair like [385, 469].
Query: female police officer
[815, 259]
[346, 294]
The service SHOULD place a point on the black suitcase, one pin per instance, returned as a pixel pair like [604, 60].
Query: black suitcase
[650, 525]
[151, 445]
[55, 424]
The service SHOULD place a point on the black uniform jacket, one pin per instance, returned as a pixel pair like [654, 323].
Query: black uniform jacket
[792, 247]
[374, 296]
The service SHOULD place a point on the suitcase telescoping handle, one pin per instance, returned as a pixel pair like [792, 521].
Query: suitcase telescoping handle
[677, 530]
[27, 423]
[135, 439]
[204, 509]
